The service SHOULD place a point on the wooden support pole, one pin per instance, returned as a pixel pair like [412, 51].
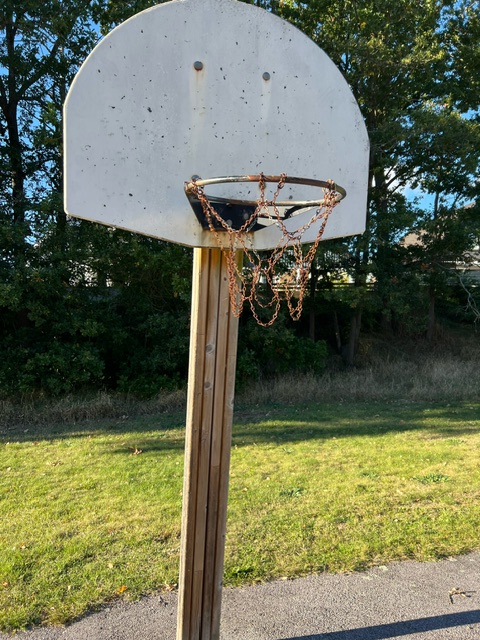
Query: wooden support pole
[213, 352]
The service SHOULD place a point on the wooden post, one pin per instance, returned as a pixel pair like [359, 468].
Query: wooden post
[213, 352]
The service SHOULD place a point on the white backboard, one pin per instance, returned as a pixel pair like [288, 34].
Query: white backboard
[209, 88]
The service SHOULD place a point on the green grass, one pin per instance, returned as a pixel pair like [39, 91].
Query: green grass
[91, 511]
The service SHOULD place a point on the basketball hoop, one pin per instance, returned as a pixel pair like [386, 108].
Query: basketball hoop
[282, 274]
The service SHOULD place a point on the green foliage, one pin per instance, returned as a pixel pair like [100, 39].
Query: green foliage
[159, 357]
[444, 144]
[83, 306]
[111, 13]
[411, 66]
[275, 350]
[111, 310]
[62, 368]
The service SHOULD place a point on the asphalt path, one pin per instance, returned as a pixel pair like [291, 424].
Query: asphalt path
[400, 601]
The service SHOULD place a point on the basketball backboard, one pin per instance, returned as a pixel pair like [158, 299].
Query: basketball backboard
[208, 88]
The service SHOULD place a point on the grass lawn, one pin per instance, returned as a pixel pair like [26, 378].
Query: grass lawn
[91, 511]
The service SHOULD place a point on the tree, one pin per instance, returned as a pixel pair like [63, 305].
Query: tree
[439, 254]
[39, 49]
[83, 305]
[73, 296]
[413, 67]
[40, 44]
[406, 64]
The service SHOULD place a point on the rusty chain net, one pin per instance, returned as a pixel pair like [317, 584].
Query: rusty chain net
[266, 278]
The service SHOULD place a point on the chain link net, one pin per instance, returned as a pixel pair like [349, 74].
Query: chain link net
[267, 278]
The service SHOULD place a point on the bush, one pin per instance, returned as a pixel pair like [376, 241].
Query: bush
[156, 357]
[276, 350]
[52, 369]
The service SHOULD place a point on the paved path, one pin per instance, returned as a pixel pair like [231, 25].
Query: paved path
[406, 600]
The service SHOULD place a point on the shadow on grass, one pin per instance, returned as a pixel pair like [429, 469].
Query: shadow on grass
[275, 424]
[162, 424]
[399, 629]
[321, 422]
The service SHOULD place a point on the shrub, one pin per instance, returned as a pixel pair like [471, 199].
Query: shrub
[276, 350]
[52, 369]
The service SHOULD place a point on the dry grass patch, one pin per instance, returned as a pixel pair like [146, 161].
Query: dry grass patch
[434, 379]
[73, 409]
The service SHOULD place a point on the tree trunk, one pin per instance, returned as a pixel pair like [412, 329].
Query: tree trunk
[9, 106]
[336, 328]
[353, 338]
[431, 313]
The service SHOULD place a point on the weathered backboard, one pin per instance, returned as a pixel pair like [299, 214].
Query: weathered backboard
[208, 88]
